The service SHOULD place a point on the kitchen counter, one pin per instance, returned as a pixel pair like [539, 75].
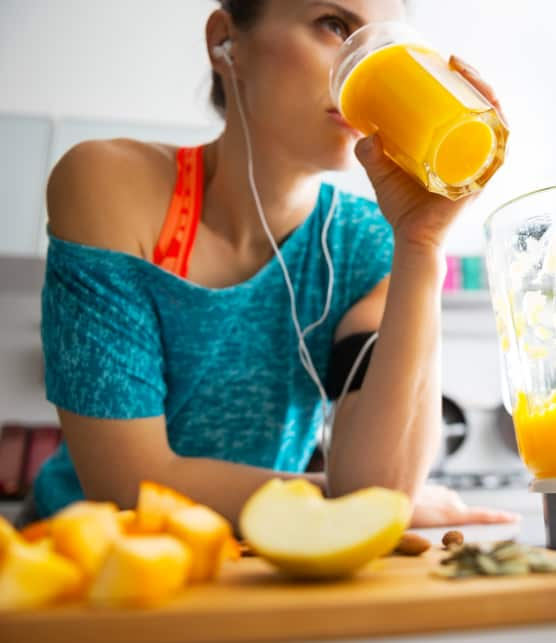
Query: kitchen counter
[529, 530]
[252, 603]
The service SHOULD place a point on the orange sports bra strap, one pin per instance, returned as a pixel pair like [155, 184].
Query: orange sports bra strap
[178, 233]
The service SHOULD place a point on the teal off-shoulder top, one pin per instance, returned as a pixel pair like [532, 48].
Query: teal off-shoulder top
[123, 338]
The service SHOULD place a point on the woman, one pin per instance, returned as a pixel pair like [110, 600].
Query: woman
[170, 352]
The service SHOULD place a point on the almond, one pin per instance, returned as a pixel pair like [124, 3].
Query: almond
[412, 545]
[452, 538]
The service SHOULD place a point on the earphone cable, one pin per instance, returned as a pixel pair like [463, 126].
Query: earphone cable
[304, 354]
[307, 361]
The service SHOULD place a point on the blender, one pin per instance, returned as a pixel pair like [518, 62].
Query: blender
[521, 265]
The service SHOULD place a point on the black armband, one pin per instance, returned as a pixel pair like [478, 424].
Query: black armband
[344, 354]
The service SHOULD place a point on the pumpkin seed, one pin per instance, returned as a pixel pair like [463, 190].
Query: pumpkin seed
[509, 552]
[514, 567]
[505, 558]
[487, 565]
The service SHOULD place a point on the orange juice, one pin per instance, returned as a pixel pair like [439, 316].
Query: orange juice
[536, 435]
[431, 121]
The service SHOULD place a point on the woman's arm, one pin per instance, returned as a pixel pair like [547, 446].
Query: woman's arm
[112, 457]
[388, 433]
[434, 505]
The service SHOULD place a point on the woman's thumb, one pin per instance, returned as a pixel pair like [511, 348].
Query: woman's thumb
[366, 147]
[369, 152]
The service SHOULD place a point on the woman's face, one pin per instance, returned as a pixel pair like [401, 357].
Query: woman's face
[283, 64]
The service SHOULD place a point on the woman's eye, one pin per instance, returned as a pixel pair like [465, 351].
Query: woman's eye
[336, 25]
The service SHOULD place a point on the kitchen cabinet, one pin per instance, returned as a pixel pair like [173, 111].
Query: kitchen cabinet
[24, 157]
[22, 396]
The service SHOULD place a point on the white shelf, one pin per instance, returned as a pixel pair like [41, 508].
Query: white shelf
[466, 299]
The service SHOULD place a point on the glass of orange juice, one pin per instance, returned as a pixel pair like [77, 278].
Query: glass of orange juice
[432, 122]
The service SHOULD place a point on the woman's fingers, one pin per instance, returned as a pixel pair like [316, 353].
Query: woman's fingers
[370, 153]
[473, 76]
[439, 506]
[481, 515]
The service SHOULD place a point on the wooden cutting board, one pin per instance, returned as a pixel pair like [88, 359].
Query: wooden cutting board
[251, 602]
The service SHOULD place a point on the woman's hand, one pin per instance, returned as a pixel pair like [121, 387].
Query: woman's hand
[416, 215]
[438, 506]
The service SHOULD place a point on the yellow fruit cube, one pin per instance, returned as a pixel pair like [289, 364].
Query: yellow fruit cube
[36, 531]
[155, 503]
[207, 533]
[231, 549]
[141, 571]
[7, 535]
[127, 520]
[47, 544]
[84, 532]
[32, 576]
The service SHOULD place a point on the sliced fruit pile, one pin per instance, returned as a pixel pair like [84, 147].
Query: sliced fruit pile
[92, 551]
[300, 532]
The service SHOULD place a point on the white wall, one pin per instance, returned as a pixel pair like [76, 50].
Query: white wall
[511, 42]
[138, 60]
[123, 59]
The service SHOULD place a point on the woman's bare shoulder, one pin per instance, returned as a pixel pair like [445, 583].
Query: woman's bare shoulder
[111, 194]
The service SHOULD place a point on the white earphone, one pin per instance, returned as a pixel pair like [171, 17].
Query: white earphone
[223, 51]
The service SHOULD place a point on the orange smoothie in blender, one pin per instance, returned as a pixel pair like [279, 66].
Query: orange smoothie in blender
[430, 120]
[535, 429]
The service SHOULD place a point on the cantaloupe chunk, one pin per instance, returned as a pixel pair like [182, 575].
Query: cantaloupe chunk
[33, 576]
[36, 531]
[208, 535]
[84, 532]
[231, 549]
[127, 521]
[8, 534]
[155, 503]
[141, 571]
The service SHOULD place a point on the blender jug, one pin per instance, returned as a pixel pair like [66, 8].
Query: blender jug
[521, 265]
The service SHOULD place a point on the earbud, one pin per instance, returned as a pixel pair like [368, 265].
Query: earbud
[223, 51]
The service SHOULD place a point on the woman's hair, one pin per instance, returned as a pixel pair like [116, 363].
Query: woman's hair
[244, 14]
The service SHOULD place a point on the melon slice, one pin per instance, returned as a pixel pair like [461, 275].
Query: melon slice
[291, 525]
[84, 531]
[127, 520]
[155, 503]
[8, 534]
[36, 531]
[141, 571]
[207, 534]
[33, 576]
